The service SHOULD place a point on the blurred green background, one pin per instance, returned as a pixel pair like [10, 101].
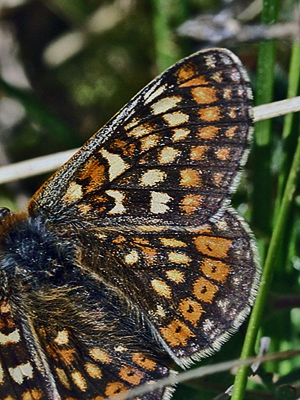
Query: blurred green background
[67, 66]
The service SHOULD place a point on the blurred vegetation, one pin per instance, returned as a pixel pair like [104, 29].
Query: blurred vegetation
[67, 66]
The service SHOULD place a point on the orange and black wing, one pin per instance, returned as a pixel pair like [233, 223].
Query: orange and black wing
[170, 157]
[149, 262]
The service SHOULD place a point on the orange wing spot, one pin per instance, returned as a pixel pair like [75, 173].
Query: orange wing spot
[176, 333]
[95, 171]
[94, 398]
[126, 148]
[139, 240]
[84, 208]
[204, 290]
[227, 94]
[213, 246]
[168, 155]
[232, 113]
[179, 258]
[190, 178]
[200, 80]
[218, 177]
[148, 142]
[187, 71]
[143, 361]
[173, 242]
[79, 380]
[114, 388]
[150, 254]
[190, 203]
[204, 95]
[210, 114]
[73, 193]
[63, 378]
[119, 239]
[198, 152]
[223, 154]
[199, 229]
[215, 269]
[141, 130]
[180, 134]
[30, 394]
[66, 355]
[191, 310]
[93, 370]
[175, 275]
[231, 132]
[209, 132]
[131, 375]
[161, 288]
[100, 355]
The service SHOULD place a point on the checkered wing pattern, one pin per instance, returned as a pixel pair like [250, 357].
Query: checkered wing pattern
[169, 157]
[130, 256]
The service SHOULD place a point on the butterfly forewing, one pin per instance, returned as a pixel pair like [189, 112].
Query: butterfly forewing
[130, 256]
[170, 156]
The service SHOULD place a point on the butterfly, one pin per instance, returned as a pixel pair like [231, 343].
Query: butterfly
[130, 256]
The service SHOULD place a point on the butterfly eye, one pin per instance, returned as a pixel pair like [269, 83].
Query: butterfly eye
[4, 211]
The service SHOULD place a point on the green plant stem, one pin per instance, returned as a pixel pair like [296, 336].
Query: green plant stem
[167, 15]
[256, 316]
[287, 135]
[262, 182]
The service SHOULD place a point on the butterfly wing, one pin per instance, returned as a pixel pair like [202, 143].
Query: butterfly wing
[96, 347]
[144, 203]
[77, 340]
[23, 371]
[171, 156]
[195, 285]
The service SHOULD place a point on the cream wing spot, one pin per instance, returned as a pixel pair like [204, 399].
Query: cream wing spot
[73, 193]
[165, 104]
[93, 370]
[1, 375]
[161, 288]
[20, 372]
[152, 177]
[79, 380]
[12, 337]
[62, 376]
[158, 202]
[180, 134]
[116, 164]
[179, 258]
[155, 94]
[168, 155]
[132, 257]
[100, 355]
[62, 337]
[176, 118]
[119, 198]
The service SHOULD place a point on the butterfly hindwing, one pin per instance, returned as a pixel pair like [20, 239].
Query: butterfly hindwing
[194, 285]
